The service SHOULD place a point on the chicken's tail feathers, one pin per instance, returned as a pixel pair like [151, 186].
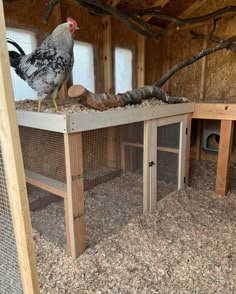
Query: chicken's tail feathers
[17, 46]
[14, 58]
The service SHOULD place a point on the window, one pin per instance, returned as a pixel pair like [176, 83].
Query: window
[123, 70]
[27, 41]
[83, 69]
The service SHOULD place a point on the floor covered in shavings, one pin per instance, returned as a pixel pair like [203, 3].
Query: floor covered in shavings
[188, 245]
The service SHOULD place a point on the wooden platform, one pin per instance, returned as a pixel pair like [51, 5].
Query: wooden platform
[219, 111]
[72, 123]
[226, 113]
[72, 126]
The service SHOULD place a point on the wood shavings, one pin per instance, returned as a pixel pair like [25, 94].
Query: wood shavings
[69, 106]
[187, 245]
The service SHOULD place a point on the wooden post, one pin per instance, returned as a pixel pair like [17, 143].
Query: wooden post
[203, 70]
[107, 53]
[225, 147]
[74, 202]
[141, 62]
[199, 139]
[14, 170]
[108, 85]
[188, 142]
[149, 167]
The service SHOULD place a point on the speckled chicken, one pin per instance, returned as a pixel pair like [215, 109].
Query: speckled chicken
[48, 66]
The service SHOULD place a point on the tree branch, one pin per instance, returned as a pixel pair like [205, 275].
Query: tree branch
[133, 18]
[105, 101]
[226, 44]
[50, 6]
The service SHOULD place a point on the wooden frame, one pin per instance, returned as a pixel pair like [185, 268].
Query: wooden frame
[149, 167]
[73, 123]
[182, 119]
[72, 126]
[225, 112]
[14, 172]
[215, 111]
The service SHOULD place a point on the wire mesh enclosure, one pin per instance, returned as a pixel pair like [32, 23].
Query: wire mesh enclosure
[100, 164]
[10, 278]
[111, 163]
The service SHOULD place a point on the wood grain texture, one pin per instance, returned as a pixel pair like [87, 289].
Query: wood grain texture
[74, 206]
[225, 147]
[14, 170]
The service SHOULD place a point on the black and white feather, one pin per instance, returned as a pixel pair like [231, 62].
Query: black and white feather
[48, 66]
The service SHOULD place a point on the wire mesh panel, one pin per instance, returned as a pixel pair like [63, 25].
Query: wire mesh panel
[111, 151]
[10, 279]
[43, 152]
[168, 139]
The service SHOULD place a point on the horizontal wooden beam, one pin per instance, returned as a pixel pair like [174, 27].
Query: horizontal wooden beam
[72, 123]
[159, 148]
[215, 111]
[187, 13]
[191, 9]
[45, 183]
[109, 118]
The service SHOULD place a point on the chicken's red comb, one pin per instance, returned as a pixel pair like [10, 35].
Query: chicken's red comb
[70, 19]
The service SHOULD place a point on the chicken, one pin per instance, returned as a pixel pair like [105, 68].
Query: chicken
[49, 66]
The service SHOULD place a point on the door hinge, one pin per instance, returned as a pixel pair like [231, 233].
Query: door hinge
[186, 132]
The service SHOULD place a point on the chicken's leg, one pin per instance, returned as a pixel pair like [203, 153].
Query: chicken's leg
[39, 104]
[55, 103]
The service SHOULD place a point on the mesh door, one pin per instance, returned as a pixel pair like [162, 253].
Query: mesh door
[10, 279]
[168, 139]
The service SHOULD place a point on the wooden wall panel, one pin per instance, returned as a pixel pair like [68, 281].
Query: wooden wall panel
[27, 14]
[153, 61]
[186, 82]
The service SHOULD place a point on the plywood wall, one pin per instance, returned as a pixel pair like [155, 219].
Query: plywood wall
[153, 61]
[220, 70]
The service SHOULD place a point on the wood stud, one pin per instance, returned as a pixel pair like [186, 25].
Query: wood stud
[14, 172]
[225, 147]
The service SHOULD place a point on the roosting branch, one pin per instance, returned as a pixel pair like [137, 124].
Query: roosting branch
[133, 18]
[212, 38]
[223, 45]
[105, 101]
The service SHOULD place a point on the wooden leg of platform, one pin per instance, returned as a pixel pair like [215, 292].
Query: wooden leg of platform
[74, 202]
[199, 139]
[225, 147]
[188, 142]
